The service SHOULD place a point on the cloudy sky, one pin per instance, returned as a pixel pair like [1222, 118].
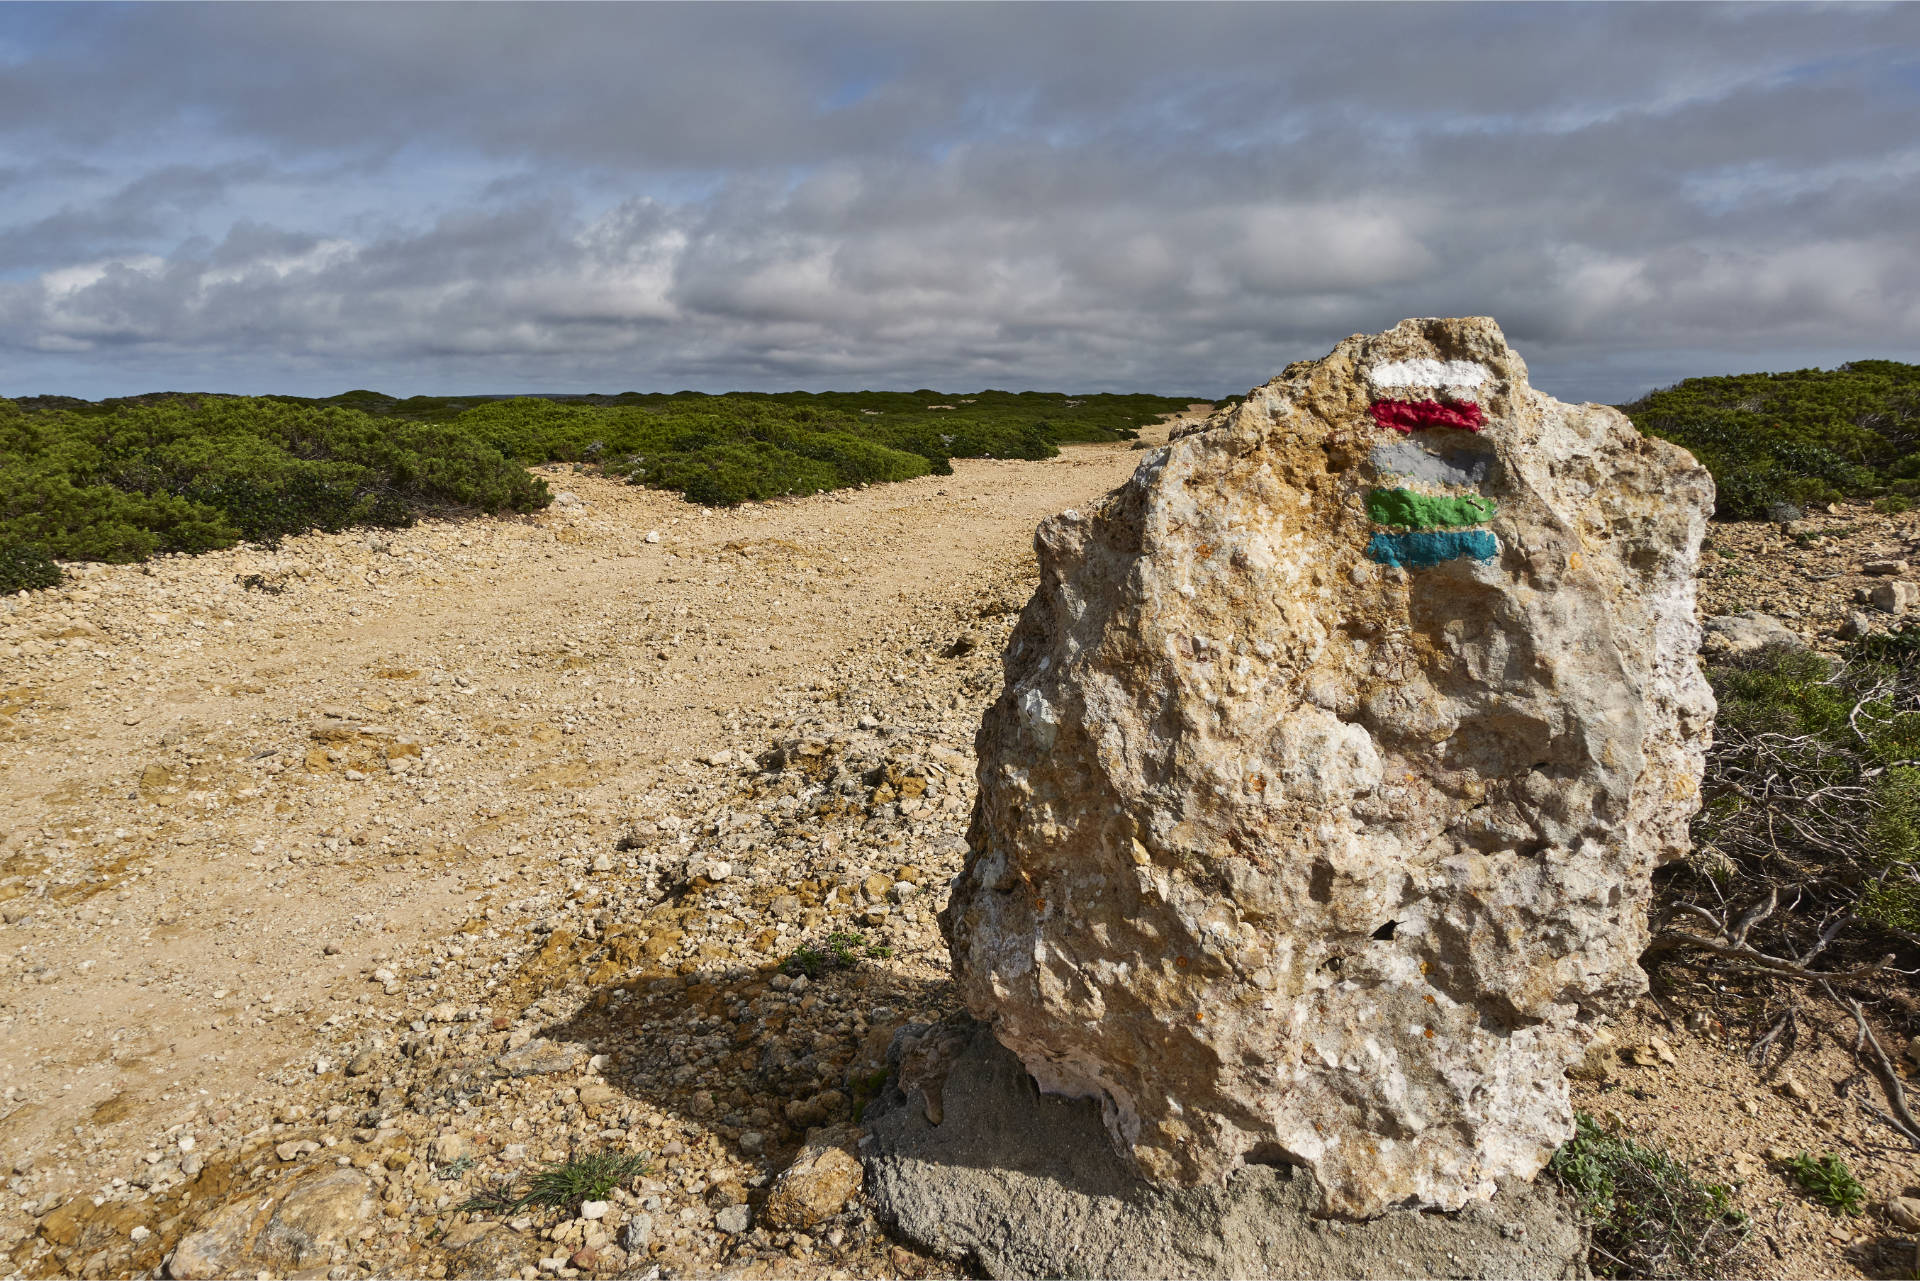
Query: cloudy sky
[1177, 198]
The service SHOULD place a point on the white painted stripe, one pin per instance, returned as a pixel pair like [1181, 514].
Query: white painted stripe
[1428, 373]
[1464, 466]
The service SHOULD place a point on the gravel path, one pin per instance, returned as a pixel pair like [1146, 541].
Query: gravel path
[297, 840]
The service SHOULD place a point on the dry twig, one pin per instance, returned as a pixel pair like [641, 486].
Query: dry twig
[1902, 1118]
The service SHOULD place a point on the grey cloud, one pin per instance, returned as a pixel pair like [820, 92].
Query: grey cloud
[1152, 196]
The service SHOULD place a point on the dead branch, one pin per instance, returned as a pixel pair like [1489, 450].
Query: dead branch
[1902, 1119]
[1729, 942]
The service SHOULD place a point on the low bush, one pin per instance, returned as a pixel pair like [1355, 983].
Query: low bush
[1812, 792]
[190, 475]
[1779, 442]
[26, 567]
[123, 479]
[1651, 1217]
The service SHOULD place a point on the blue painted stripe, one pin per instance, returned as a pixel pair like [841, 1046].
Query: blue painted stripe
[1430, 547]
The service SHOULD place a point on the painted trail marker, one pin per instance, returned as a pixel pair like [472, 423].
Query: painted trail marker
[1425, 529]
[1437, 464]
[1429, 511]
[1423, 550]
[1420, 415]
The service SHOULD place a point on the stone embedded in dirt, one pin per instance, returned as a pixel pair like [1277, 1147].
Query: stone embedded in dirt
[1884, 568]
[817, 1185]
[1022, 1185]
[318, 1216]
[1309, 839]
[1737, 635]
[1895, 597]
[540, 1057]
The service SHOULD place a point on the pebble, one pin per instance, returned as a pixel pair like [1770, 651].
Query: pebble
[592, 1210]
[733, 1220]
[448, 1148]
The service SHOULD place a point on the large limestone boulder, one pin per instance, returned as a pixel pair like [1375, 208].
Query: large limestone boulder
[1337, 749]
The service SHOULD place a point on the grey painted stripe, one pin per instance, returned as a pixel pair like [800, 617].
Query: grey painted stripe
[1414, 459]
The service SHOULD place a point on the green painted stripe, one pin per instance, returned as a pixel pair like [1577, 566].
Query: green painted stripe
[1427, 511]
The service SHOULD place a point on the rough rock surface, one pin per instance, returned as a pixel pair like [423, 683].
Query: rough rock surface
[818, 1184]
[1738, 635]
[1303, 838]
[1028, 1186]
[318, 1216]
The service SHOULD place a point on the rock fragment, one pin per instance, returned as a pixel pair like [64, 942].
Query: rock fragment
[1022, 1185]
[1738, 635]
[1896, 597]
[818, 1183]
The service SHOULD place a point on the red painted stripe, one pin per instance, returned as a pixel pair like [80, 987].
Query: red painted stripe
[1418, 415]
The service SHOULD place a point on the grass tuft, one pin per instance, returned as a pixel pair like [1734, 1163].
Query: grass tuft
[565, 1184]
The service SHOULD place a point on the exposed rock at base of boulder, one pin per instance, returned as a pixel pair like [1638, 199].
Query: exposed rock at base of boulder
[817, 1184]
[1737, 635]
[1320, 828]
[1021, 1184]
[316, 1218]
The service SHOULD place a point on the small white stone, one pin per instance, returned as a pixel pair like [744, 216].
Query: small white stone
[653, 535]
[139, 1232]
[591, 1210]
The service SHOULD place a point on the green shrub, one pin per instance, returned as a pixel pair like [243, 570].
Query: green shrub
[191, 474]
[26, 567]
[123, 479]
[1789, 440]
[1651, 1217]
[1893, 504]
